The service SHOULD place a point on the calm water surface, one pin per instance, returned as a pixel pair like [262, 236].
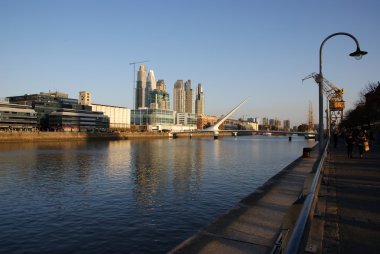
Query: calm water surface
[143, 196]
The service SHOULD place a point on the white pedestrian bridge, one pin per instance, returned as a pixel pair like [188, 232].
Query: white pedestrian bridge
[215, 128]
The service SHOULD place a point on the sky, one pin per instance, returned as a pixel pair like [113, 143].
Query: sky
[236, 49]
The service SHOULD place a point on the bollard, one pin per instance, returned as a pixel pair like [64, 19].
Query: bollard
[306, 152]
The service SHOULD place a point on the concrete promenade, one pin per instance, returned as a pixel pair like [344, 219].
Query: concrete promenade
[254, 224]
[352, 194]
[346, 218]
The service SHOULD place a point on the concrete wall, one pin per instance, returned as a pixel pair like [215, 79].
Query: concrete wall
[72, 136]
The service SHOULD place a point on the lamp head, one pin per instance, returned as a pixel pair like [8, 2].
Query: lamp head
[358, 54]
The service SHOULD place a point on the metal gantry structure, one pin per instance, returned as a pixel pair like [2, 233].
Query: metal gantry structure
[334, 96]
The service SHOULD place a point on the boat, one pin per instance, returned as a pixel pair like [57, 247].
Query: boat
[309, 136]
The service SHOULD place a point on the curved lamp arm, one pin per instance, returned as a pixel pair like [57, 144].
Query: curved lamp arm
[358, 53]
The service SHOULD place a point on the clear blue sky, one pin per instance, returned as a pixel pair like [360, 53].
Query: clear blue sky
[235, 48]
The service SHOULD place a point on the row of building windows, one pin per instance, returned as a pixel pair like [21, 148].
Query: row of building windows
[19, 117]
[71, 120]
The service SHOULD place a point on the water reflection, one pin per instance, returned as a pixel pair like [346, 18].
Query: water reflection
[149, 162]
[188, 165]
[159, 164]
[119, 158]
[142, 196]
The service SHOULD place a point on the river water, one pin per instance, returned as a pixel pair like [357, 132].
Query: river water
[132, 196]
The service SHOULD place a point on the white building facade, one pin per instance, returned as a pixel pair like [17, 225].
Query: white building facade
[120, 117]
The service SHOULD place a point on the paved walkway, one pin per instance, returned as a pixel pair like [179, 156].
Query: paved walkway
[352, 215]
[347, 218]
[254, 224]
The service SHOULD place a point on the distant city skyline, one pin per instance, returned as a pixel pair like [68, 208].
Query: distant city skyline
[260, 50]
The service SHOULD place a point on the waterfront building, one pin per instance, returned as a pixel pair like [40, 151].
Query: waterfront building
[199, 101]
[232, 124]
[119, 117]
[140, 88]
[179, 97]
[286, 125]
[265, 121]
[253, 119]
[162, 120]
[78, 120]
[188, 119]
[45, 103]
[85, 98]
[153, 119]
[250, 125]
[188, 97]
[204, 121]
[17, 117]
[264, 124]
[277, 124]
[271, 123]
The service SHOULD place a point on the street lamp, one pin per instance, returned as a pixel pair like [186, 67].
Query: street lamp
[357, 54]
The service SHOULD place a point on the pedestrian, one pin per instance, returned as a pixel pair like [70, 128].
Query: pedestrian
[335, 138]
[372, 140]
[350, 141]
[360, 139]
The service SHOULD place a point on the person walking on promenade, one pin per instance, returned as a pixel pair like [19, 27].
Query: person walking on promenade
[360, 139]
[350, 141]
[372, 139]
[335, 138]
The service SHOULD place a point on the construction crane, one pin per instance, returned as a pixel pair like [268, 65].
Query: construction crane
[334, 95]
[134, 78]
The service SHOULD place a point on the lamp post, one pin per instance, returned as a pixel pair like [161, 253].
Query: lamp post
[357, 54]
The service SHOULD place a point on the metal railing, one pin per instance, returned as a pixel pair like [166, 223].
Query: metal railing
[298, 236]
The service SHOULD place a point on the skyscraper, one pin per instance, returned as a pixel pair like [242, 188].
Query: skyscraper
[286, 125]
[159, 98]
[199, 101]
[141, 88]
[160, 85]
[150, 86]
[188, 97]
[179, 97]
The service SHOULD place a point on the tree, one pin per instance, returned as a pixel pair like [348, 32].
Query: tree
[302, 128]
[208, 124]
[367, 109]
[372, 102]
